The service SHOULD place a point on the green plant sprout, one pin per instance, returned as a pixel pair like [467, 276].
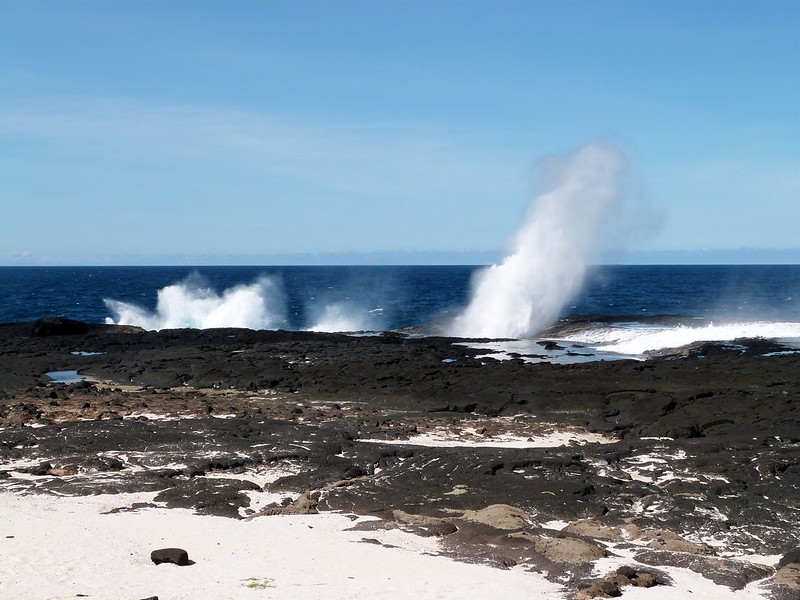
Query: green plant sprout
[258, 583]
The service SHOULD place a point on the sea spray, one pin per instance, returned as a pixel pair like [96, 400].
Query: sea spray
[344, 317]
[363, 300]
[192, 303]
[548, 257]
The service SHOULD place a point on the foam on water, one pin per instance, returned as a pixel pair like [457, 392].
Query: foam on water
[548, 258]
[635, 339]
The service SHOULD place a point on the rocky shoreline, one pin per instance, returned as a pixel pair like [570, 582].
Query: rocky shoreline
[685, 461]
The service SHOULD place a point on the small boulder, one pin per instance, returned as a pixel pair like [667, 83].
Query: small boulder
[62, 471]
[499, 516]
[550, 345]
[787, 578]
[599, 589]
[354, 472]
[626, 571]
[177, 556]
[645, 579]
[791, 557]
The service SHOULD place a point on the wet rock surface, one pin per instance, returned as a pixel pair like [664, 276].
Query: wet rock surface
[695, 460]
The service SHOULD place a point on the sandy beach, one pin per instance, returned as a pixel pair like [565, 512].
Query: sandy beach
[298, 465]
[67, 547]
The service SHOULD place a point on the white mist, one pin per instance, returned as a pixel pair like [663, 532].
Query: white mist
[548, 257]
[343, 317]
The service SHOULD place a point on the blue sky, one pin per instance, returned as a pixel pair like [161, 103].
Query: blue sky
[400, 131]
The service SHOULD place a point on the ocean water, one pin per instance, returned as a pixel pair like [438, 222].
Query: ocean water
[634, 308]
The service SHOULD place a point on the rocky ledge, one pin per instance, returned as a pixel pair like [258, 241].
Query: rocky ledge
[601, 474]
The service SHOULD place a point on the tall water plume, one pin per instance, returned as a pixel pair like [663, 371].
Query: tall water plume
[549, 254]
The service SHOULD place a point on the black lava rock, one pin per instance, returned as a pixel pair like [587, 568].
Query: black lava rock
[177, 556]
[58, 326]
[791, 557]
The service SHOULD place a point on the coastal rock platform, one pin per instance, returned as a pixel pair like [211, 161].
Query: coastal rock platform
[605, 476]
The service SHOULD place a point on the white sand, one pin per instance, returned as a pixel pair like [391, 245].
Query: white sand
[54, 548]
[64, 546]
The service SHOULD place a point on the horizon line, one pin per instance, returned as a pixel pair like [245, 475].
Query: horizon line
[397, 258]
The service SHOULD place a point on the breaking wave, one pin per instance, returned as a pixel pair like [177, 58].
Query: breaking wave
[193, 303]
[635, 339]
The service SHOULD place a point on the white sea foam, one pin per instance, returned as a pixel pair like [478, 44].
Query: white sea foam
[192, 303]
[548, 258]
[635, 340]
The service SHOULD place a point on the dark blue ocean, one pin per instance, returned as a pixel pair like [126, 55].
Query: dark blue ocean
[403, 296]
